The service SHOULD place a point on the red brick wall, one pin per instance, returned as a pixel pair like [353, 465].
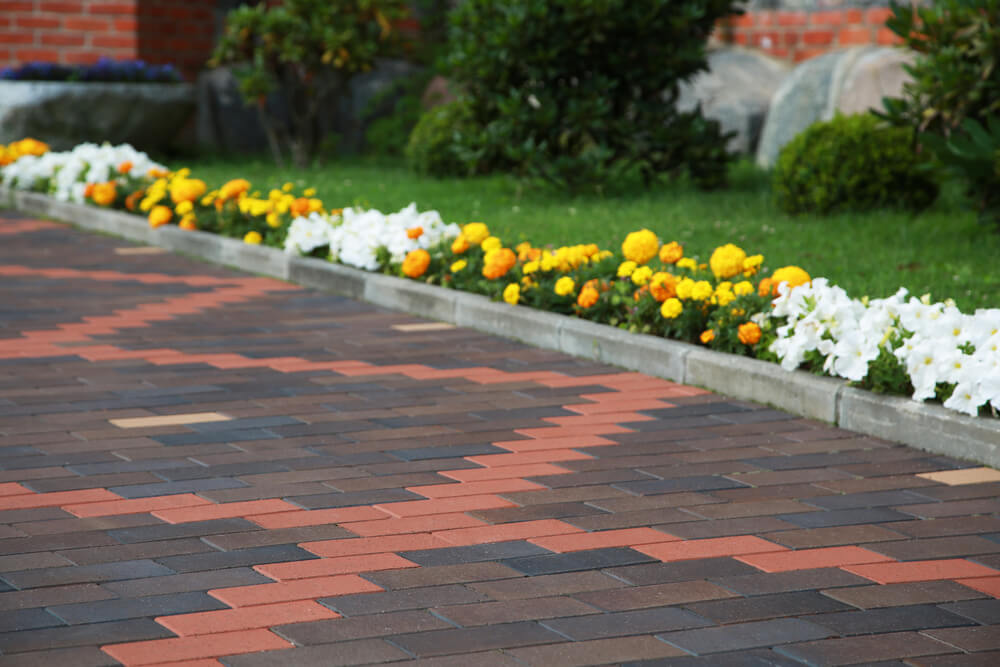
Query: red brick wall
[798, 35]
[81, 31]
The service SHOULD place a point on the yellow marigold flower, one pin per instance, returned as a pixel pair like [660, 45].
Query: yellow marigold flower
[309, 192]
[157, 173]
[530, 267]
[523, 250]
[663, 286]
[640, 246]
[416, 262]
[748, 333]
[315, 205]
[233, 189]
[188, 222]
[727, 261]
[743, 288]
[273, 220]
[104, 193]
[512, 294]
[604, 254]
[549, 261]
[687, 263]
[707, 336]
[792, 275]
[565, 286]
[588, 296]
[671, 308]
[751, 265]
[591, 249]
[625, 269]
[209, 198]
[684, 289]
[459, 245]
[641, 275]
[491, 243]
[184, 208]
[414, 232]
[476, 232]
[159, 216]
[183, 173]
[723, 297]
[701, 290]
[737, 312]
[287, 187]
[458, 266]
[671, 252]
[253, 238]
[187, 189]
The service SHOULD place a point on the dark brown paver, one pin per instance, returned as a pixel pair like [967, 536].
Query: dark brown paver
[421, 467]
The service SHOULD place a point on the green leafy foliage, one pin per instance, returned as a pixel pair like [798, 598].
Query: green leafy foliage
[308, 50]
[956, 73]
[974, 154]
[438, 144]
[852, 163]
[581, 92]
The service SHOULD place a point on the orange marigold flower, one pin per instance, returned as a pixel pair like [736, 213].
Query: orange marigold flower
[671, 252]
[133, 199]
[88, 191]
[748, 333]
[460, 244]
[234, 189]
[187, 189]
[707, 336]
[299, 207]
[414, 232]
[662, 286]
[104, 194]
[188, 222]
[498, 263]
[416, 262]
[638, 294]
[588, 296]
[125, 167]
[765, 287]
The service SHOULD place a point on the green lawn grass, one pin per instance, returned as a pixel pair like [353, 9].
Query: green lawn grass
[941, 250]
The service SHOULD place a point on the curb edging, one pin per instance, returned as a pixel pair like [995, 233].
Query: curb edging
[922, 425]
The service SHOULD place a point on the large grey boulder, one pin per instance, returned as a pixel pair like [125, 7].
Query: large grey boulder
[736, 91]
[64, 114]
[849, 81]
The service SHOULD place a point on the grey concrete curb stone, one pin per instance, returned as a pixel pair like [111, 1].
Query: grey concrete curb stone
[755, 380]
[922, 425]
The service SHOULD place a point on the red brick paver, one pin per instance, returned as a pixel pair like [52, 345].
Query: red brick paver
[379, 492]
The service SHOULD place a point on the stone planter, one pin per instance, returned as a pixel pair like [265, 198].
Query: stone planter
[64, 114]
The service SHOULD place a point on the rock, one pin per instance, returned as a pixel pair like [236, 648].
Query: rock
[369, 101]
[736, 91]
[849, 81]
[64, 114]
[876, 74]
[223, 122]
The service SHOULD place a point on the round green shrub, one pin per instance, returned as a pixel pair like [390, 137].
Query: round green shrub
[438, 142]
[853, 163]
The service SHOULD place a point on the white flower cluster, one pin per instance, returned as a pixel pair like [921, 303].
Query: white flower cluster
[934, 342]
[356, 235]
[65, 175]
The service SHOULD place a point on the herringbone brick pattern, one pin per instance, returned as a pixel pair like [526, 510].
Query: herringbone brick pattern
[201, 467]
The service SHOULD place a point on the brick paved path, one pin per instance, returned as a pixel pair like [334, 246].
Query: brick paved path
[199, 466]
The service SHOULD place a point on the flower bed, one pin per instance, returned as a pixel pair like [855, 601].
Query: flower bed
[729, 303]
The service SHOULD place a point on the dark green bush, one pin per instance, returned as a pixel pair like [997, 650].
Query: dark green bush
[579, 92]
[955, 90]
[956, 73]
[974, 154]
[852, 163]
[439, 143]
